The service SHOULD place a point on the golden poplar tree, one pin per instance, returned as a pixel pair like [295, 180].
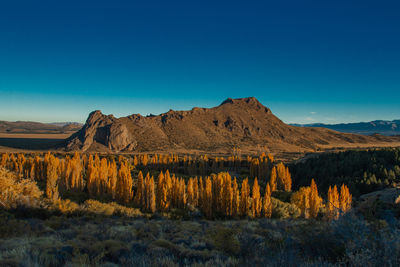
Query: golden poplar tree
[102, 178]
[301, 199]
[288, 181]
[152, 196]
[207, 198]
[139, 190]
[160, 193]
[146, 190]
[345, 199]
[76, 172]
[182, 194]
[256, 204]
[235, 198]
[267, 203]
[333, 203]
[284, 177]
[112, 179]
[124, 183]
[315, 200]
[52, 177]
[273, 180]
[227, 194]
[195, 192]
[190, 193]
[244, 198]
[201, 193]
[91, 176]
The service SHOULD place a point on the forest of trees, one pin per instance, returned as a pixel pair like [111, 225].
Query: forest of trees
[363, 171]
[152, 183]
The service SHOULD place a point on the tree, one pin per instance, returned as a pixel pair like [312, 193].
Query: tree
[124, 183]
[91, 176]
[345, 199]
[301, 199]
[315, 200]
[207, 198]
[190, 193]
[139, 191]
[288, 181]
[284, 177]
[273, 181]
[52, 177]
[267, 203]
[256, 200]
[333, 203]
[112, 179]
[235, 199]
[152, 196]
[244, 198]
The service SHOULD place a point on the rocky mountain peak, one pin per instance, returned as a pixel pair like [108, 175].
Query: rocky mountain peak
[243, 122]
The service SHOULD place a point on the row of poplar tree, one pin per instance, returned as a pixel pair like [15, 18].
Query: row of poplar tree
[214, 195]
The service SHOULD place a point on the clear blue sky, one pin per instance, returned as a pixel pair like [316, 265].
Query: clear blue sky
[309, 61]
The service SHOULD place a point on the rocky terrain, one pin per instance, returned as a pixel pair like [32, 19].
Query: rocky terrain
[243, 122]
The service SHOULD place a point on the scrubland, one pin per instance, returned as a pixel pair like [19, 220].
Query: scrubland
[76, 228]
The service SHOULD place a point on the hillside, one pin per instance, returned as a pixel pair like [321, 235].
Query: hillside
[367, 128]
[30, 127]
[243, 122]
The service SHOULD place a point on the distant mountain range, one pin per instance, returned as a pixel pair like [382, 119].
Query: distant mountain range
[366, 128]
[32, 127]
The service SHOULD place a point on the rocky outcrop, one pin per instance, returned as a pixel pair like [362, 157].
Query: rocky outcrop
[243, 122]
[387, 196]
[100, 129]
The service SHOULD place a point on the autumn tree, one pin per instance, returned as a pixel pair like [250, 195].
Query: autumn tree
[124, 183]
[150, 205]
[207, 198]
[235, 198]
[315, 200]
[301, 199]
[345, 199]
[112, 179]
[256, 205]
[91, 176]
[273, 180]
[267, 203]
[333, 203]
[139, 190]
[227, 194]
[191, 195]
[52, 175]
[245, 198]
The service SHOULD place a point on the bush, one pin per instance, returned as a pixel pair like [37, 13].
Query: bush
[284, 210]
[225, 240]
[16, 191]
[108, 209]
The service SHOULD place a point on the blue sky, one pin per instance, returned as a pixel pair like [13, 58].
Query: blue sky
[309, 61]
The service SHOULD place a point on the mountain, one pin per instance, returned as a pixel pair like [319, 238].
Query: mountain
[367, 128]
[38, 127]
[243, 122]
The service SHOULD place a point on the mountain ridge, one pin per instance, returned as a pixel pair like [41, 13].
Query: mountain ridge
[243, 122]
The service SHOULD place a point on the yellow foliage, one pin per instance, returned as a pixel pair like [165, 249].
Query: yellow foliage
[16, 191]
